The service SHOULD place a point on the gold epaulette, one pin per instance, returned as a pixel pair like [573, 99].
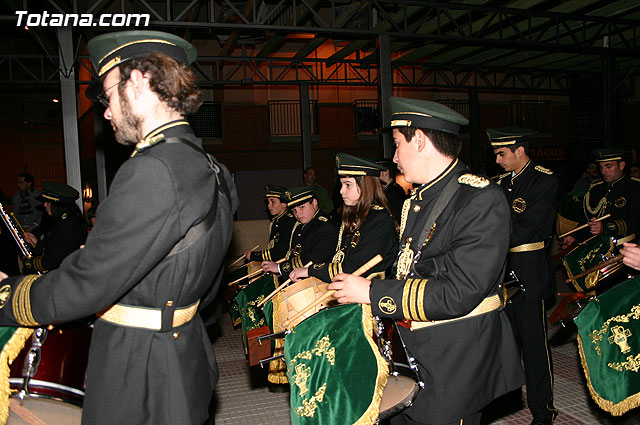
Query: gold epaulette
[323, 218]
[635, 179]
[473, 180]
[377, 207]
[596, 183]
[543, 170]
[499, 177]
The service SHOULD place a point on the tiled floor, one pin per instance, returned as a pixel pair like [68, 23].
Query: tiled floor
[243, 396]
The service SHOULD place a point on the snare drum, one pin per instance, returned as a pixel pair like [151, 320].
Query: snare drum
[404, 381]
[53, 365]
[42, 410]
[589, 254]
[294, 298]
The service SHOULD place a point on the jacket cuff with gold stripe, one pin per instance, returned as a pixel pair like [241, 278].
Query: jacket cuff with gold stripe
[15, 301]
[287, 267]
[399, 299]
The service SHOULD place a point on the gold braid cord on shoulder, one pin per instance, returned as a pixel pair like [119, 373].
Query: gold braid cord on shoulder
[9, 352]
[22, 301]
[370, 416]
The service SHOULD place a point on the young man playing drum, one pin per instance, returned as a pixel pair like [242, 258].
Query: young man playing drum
[280, 227]
[453, 247]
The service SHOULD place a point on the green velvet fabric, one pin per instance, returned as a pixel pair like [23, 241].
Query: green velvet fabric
[253, 317]
[586, 255]
[6, 332]
[609, 344]
[335, 369]
[234, 310]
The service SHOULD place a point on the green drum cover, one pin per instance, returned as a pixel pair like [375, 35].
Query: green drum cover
[609, 345]
[252, 316]
[586, 255]
[336, 371]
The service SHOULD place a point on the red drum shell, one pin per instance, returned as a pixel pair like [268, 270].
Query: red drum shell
[63, 363]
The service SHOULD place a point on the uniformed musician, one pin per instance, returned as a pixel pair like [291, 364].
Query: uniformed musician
[159, 241]
[66, 234]
[367, 226]
[452, 255]
[313, 237]
[393, 191]
[532, 193]
[616, 193]
[280, 227]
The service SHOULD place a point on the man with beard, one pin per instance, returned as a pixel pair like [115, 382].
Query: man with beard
[158, 244]
[453, 247]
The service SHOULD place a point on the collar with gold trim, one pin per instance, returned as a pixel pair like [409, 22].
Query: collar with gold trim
[513, 176]
[156, 136]
[420, 191]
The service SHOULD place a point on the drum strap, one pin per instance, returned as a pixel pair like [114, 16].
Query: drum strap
[200, 229]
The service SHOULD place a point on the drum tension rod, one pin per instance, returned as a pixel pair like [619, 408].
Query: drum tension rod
[268, 359]
[276, 335]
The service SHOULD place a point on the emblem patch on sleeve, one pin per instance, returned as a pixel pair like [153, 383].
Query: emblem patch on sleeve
[5, 294]
[387, 305]
[519, 205]
[620, 202]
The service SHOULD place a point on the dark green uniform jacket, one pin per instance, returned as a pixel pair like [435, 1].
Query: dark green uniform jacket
[139, 376]
[621, 199]
[66, 235]
[532, 195]
[315, 241]
[467, 363]
[279, 236]
[377, 235]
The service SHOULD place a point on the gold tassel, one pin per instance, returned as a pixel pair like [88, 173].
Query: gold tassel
[9, 352]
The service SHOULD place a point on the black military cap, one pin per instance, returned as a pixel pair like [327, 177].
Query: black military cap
[609, 154]
[349, 165]
[386, 164]
[299, 195]
[425, 114]
[273, 191]
[58, 192]
[508, 136]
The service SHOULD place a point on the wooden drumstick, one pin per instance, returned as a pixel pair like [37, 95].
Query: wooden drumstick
[363, 269]
[252, 274]
[241, 257]
[275, 291]
[583, 226]
[598, 266]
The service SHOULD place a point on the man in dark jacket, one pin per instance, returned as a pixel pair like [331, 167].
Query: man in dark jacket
[158, 244]
[68, 231]
[313, 238]
[532, 193]
[393, 191]
[453, 248]
[280, 227]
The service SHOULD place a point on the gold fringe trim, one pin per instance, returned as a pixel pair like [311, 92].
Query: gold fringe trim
[370, 416]
[616, 409]
[277, 368]
[9, 352]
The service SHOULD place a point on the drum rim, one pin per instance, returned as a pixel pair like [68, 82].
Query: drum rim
[36, 383]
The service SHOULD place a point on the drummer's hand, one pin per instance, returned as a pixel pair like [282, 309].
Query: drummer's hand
[299, 273]
[631, 254]
[350, 289]
[247, 255]
[595, 226]
[3, 276]
[568, 240]
[31, 238]
[270, 266]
